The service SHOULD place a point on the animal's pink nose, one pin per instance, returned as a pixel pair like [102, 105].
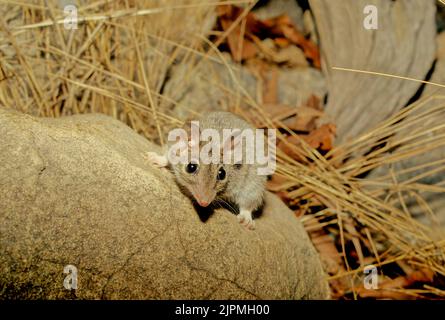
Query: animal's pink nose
[203, 203]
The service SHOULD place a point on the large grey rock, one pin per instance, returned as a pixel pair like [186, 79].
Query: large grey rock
[209, 86]
[76, 191]
[206, 86]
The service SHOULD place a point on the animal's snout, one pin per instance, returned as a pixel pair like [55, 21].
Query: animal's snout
[202, 203]
[204, 199]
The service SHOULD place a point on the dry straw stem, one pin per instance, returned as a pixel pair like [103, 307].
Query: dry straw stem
[401, 138]
[92, 68]
[116, 14]
[117, 62]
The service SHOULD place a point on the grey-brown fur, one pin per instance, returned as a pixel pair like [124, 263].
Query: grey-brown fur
[242, 185]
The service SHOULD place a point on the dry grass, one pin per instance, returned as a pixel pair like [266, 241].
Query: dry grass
[371, 213]
[115, 66]
[117, 63]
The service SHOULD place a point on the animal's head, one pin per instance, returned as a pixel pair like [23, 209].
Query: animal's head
[205, 179]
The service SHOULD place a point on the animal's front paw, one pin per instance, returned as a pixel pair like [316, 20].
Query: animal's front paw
[245, 218]
[155, 159]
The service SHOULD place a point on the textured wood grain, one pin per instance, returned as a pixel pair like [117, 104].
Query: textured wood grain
[403, 44]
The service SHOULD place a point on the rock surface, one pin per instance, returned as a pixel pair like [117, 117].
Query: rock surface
[210, 86]
[76, 190]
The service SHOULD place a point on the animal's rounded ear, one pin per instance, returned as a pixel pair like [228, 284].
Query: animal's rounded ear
[193, 132]
[231, 140]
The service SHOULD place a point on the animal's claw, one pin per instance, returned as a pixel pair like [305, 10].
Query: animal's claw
[155, 159]
[245, 218]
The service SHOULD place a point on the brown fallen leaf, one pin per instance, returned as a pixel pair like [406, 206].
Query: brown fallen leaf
[314, 102]
[270, 88]
[282, 42]
[330, 257]
[277, 183]
[280, 29]
[322, 138]
[305, 119]
[283, 26]
[289, 147]
[292, 56]
[309, 48]
[329, 253]
[277, 111]
[231, 12]
[387, 288]
[240, 50]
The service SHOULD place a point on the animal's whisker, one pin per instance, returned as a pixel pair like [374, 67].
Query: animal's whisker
[228, 204]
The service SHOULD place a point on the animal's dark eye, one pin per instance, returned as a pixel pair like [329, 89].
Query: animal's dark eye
[191, 167]
[221, 174]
